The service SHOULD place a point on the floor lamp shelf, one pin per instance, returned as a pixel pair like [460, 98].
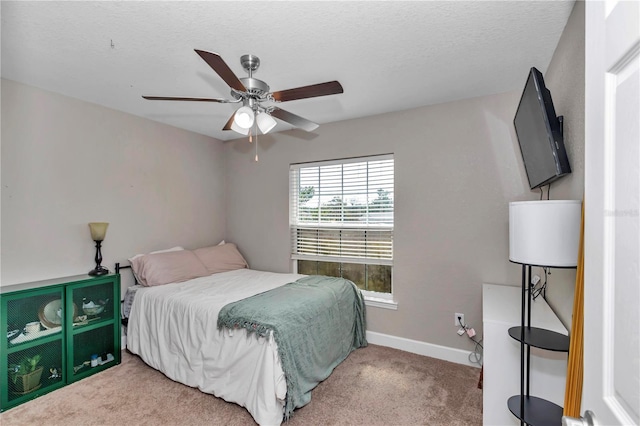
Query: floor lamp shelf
[529, 409]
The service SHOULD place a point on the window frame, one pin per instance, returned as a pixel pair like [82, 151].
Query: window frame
[372, 298]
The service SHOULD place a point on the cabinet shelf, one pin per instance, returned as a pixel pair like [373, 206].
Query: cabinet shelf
[541, 338]
[82, 328]
[88, 371]
[537, 411]
[11, 348]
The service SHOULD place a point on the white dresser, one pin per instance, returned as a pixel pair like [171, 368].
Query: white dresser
[501, 377]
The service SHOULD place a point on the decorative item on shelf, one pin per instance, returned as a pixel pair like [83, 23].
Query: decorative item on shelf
[98, 232]
[32, 327]
[91, 308]
[26, 337]
[51, 313]
[25, 376]
[77, 368]
[105, 358]
[544, 234]
[56, 373]
[80, 320]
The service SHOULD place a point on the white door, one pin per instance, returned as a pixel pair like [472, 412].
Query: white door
[612, 205]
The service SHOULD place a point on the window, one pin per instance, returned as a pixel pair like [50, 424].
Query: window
[341, 220]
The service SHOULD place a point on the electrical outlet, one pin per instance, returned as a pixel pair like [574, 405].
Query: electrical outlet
[459, 318]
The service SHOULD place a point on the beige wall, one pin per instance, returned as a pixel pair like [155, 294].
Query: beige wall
[457, 167]
[65, 163]
[565, 80]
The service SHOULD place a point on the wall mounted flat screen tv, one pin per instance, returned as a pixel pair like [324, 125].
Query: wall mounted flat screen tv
[539, 133]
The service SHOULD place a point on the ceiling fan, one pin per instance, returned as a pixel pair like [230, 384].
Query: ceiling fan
[254, 94]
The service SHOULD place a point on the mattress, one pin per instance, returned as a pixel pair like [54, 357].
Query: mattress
[173, 329]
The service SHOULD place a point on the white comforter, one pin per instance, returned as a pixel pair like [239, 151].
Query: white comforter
[173, 329]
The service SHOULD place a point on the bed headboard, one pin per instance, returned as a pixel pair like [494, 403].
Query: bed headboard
[118, 267]
[123, 320]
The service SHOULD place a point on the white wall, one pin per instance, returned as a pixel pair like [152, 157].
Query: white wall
[457, 167]
[65, 163]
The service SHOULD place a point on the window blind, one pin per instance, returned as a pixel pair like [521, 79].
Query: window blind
[343, 210]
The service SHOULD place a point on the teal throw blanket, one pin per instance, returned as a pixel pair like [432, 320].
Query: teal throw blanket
[316, 321]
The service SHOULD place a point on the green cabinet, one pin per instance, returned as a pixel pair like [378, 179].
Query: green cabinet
[57, 332]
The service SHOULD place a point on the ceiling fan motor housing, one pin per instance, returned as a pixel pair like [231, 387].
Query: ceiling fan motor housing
[250, 63]
[256, 88]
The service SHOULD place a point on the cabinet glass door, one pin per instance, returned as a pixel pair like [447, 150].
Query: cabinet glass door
[35, 353]
[93, 350]
[93, 345]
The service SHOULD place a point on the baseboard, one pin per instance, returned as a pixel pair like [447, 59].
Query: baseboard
[421, 348]
[414, 346]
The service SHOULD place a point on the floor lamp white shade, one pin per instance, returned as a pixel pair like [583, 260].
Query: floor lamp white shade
[545, 233]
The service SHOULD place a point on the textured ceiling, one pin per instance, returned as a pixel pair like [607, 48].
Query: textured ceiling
[389, 56]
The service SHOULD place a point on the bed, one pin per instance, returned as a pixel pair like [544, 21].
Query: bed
[251, 337]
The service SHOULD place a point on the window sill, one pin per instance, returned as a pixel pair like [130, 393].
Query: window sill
[378, 302]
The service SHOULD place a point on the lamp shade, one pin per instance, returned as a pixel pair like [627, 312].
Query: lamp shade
[244, 117]
[545, 233]
[265, 122]
[239, 129]
[98, 230]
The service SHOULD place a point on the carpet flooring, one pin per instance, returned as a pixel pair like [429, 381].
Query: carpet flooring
[375, 385]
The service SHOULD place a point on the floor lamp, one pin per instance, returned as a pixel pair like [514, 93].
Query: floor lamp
[544, 234]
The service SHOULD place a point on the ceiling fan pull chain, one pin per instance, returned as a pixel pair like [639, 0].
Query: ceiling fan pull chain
[256, 146]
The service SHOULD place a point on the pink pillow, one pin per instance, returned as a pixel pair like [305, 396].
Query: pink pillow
[169, 267]
[221, 258]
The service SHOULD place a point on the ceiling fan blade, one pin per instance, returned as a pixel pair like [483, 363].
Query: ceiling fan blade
[219, 66]
[169, 98]
[295, 120]
[321, 89]
[228, 125]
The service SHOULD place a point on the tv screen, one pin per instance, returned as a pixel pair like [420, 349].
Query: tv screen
[539, 133]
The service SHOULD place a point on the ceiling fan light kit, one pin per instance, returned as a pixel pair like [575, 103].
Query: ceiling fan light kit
[238, 129]
[265, 122]
[244, 117]
[253, 93]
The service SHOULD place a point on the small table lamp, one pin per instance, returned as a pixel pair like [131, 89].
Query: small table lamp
[98, 231]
